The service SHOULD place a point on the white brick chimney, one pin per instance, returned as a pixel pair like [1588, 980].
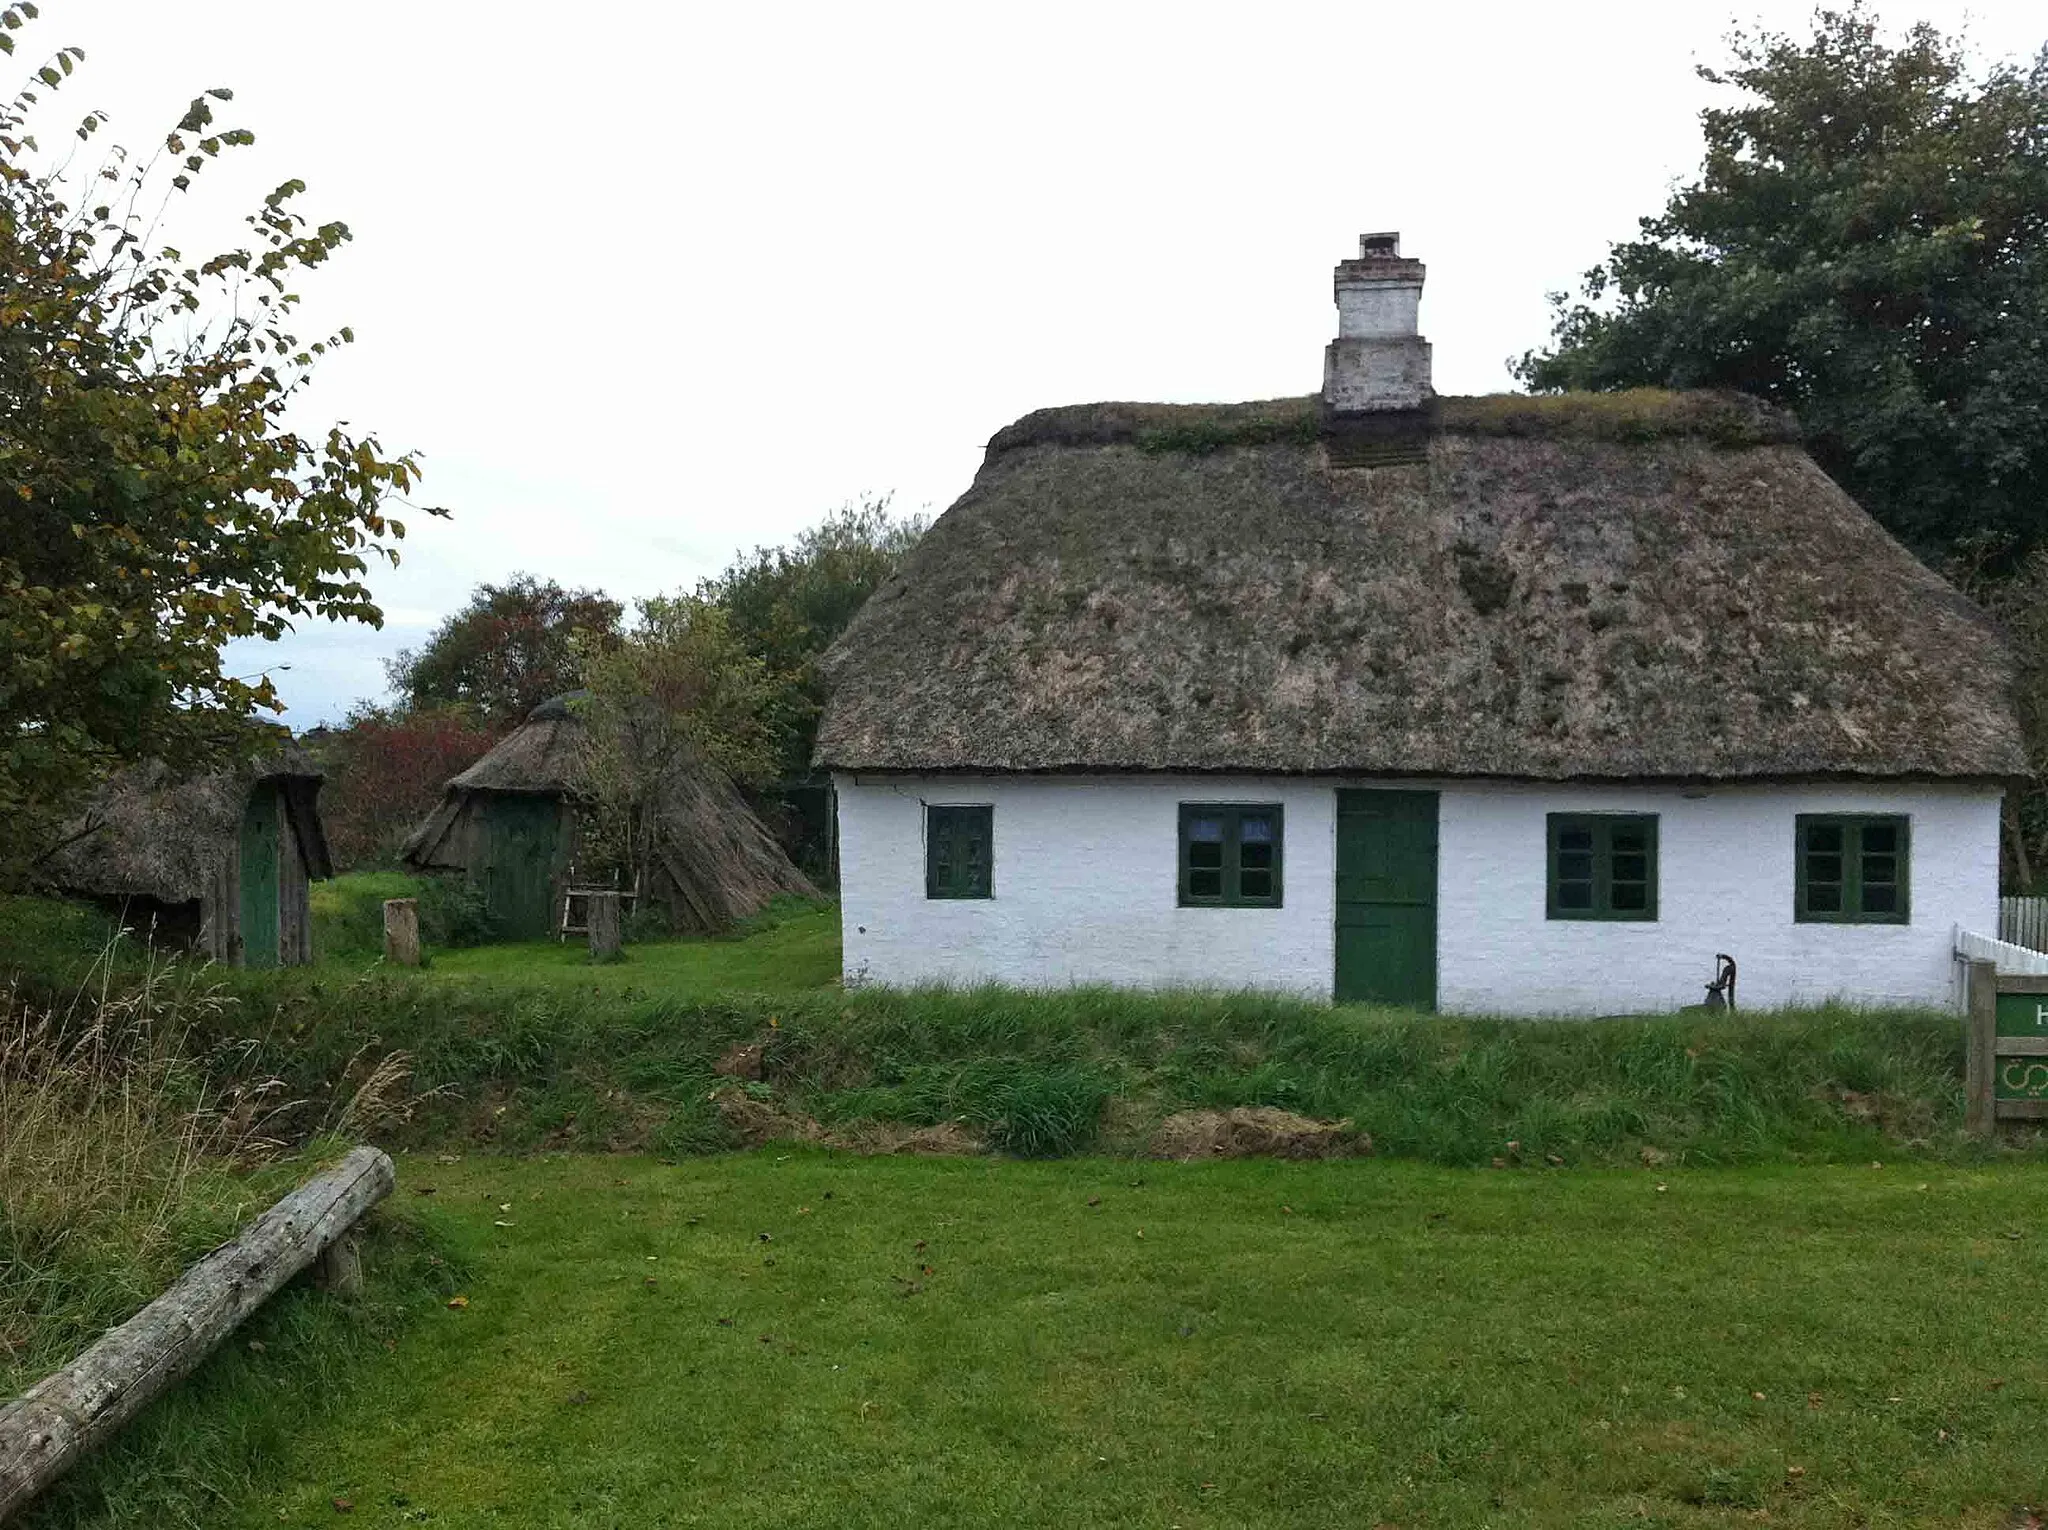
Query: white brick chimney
[1378, 363]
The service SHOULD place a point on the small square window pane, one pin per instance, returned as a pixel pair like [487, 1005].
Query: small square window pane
[1574, 894]
[1631, 896]
[1631, 868]
[1575, 839]
[1823, 898]
[1249, 856]
[1628, 840]
[1824, 836]
[1823, 868]
[1205, 854]
[1880, 868]
[1880, 838]
[1255, 884]
[1575, 866]
[1880, 899]
[1206, 830]
[1255, 831]
[1205, 884]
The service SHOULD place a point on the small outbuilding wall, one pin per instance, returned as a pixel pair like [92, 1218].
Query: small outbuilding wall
[1084, 890]
[221, 861]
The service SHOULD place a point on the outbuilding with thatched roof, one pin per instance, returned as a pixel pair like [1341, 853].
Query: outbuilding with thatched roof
[511, 824]
[1514, 704]
[220, 861]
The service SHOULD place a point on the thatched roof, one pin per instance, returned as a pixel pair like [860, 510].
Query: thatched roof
[723, 862]
[544, 754]
[1632, 586]
[150, 834]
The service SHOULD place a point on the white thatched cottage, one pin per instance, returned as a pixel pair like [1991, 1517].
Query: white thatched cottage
[1501, 704]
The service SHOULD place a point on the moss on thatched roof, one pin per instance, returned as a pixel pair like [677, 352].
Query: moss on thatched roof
[1643, 585]
[1636, 415]
[150, 834]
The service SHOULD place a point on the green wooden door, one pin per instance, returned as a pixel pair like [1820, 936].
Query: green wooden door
[519, 865]
[1386, 898]
[262, 829]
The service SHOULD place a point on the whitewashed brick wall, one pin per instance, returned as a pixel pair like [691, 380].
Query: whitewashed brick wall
[1085, 892]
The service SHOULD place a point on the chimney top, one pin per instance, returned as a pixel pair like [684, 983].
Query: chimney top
[1379, 362]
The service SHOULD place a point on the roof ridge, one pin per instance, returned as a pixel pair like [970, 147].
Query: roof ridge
[1628, 416]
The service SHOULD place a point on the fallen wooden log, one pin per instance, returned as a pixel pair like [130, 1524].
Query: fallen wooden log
[66, 1414]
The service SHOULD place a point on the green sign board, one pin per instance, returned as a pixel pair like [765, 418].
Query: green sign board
[2022, 1077]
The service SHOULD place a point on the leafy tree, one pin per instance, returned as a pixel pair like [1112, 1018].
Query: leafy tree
[385, 769]
[786, 605]
[154, 504]
[676, 692]
[511, 648]
[1866, 244]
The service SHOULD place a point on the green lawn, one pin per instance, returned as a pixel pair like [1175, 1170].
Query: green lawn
[995, 1343]
[786, 954]
[791, 947]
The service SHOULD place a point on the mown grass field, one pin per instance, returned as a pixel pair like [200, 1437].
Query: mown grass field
[792, 948]
[1042, 1334]
[1099, 1343]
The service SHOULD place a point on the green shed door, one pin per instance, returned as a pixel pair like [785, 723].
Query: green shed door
[520, 836]
[1386, 898]
[262, 831]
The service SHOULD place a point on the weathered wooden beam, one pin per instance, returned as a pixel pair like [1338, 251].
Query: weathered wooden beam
[69, 1413]
[1980, 1063]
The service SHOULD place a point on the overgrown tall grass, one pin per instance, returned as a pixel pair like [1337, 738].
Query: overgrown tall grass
[135, 1134]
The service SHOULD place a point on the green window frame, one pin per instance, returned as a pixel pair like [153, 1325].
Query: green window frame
[1853, 868]
[1230, 854]
[959, 851]
[1602, 866]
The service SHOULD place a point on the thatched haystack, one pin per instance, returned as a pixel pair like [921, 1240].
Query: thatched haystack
[510, 824]
[221, 861]
[1636, 586]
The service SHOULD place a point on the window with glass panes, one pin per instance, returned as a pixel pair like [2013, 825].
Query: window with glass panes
[1229, 855]
[1852, 868]
[958, 845]
[1603, 866]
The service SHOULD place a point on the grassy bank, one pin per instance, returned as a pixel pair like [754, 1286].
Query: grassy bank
[968, 1342]
[562, 1055]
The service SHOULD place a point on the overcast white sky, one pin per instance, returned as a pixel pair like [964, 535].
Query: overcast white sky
[650, 283]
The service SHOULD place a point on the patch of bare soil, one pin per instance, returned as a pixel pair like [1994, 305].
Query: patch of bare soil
[740, 1060]
[759, 1122]
[1258, 1131]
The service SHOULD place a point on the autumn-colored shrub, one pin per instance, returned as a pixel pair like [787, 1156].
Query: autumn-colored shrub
[385, 770]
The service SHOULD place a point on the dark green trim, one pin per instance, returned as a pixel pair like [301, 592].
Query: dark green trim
[1853, 891]
[1590, 890]
[1231, 873]
[959, 851]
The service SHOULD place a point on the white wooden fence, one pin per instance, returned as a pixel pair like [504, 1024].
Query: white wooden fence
[2003, 954]
[2024, 922]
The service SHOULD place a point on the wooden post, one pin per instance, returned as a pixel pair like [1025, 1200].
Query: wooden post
[63, 1416]
[1980, 1068]
[402, 931]
[340, 1269]
[604, 926]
